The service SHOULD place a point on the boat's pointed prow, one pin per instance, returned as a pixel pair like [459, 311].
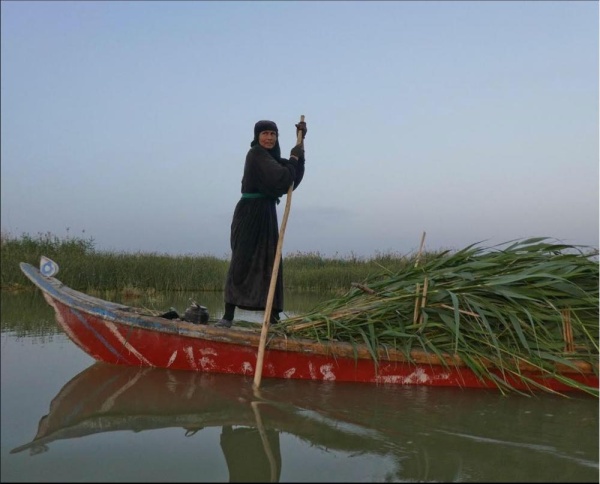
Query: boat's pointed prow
[48, 267]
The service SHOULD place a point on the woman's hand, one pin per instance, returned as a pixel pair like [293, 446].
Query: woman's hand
[297, 152]
[301, 127]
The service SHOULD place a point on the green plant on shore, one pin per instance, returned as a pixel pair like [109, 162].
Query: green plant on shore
[506, 305]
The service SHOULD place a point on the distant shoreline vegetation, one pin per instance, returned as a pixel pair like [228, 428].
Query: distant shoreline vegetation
[84, 268]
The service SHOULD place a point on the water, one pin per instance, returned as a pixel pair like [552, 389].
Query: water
[65, 418]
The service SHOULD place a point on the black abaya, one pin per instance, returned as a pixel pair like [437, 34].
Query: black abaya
[255, 230]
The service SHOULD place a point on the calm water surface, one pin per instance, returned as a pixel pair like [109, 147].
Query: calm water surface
[66, 418]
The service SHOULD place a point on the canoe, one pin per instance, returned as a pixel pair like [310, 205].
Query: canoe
[124, 335]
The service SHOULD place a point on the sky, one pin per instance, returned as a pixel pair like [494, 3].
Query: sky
[470, 121]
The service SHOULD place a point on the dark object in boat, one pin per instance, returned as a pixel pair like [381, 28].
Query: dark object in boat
[170, 314]
[196, 314]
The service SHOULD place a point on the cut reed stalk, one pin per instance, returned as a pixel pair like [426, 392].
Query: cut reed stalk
[567, 331]
[421, 245]
[423, 299]
[363, 288]
[417, 305]
[462, 311]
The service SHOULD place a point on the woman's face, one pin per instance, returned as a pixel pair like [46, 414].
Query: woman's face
[267, 139]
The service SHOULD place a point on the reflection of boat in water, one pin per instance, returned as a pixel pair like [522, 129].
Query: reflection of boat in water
[462, 432]
[106, 398]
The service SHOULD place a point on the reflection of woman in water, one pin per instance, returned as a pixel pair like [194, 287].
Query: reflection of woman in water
[249, 458]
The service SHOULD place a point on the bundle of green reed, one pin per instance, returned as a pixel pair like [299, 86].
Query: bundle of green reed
[521, 302]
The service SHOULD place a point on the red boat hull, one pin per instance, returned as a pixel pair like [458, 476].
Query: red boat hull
[116, 343]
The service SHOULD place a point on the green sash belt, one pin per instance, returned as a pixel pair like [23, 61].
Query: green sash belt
[259, 195]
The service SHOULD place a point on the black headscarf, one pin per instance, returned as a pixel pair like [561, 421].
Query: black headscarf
[265, 125]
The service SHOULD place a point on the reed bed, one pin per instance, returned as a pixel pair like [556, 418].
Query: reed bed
[84, 268]
[531, 301]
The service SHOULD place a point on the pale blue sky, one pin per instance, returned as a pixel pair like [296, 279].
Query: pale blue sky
[473, 121]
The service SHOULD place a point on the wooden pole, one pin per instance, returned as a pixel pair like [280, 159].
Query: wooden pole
[416, 315]
[271, 295]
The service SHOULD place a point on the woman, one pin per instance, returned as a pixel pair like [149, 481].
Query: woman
[254, 228]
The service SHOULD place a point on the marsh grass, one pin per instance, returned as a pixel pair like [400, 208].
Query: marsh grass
[84, 268]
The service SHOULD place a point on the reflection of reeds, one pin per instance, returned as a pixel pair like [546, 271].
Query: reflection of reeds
[528, 301]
